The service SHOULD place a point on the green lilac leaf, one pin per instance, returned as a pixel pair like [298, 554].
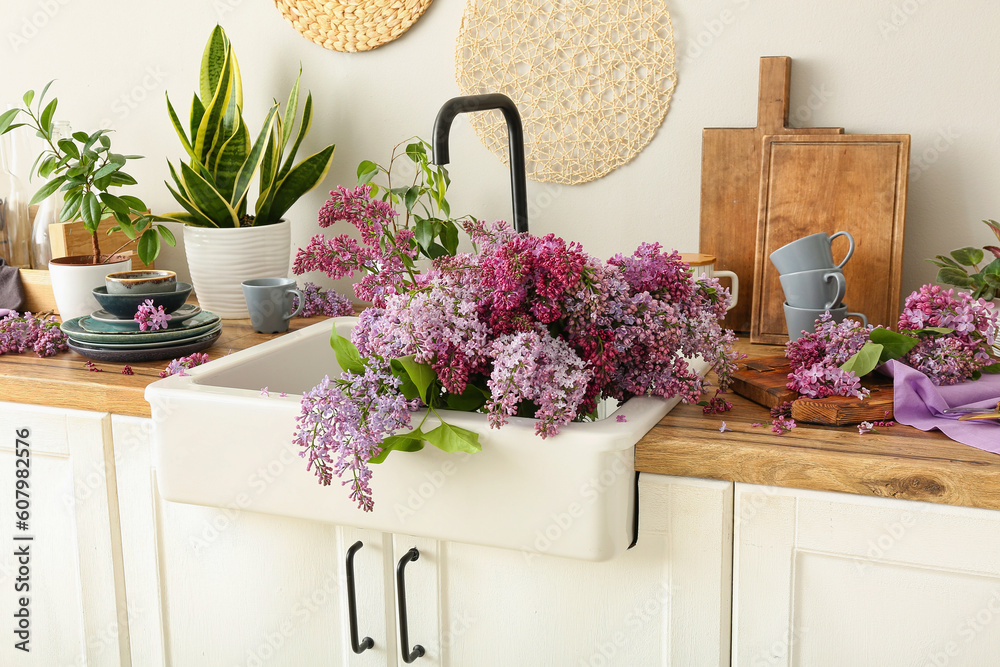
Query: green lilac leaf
[865, 360]
[469, 400]
[422, 375]
[405, 442]
[894, 345]
[348, 357]
[450, 438]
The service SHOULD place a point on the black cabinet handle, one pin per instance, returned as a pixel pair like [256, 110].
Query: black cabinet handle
[352, 607]
[404, 635]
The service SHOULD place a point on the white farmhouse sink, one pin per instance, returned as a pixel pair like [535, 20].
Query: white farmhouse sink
[218, 442]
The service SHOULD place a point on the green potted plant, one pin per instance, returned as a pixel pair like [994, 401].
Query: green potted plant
[225, 243]
[85, 169]
[979, 282]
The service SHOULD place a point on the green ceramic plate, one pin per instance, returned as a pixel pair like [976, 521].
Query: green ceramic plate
[145, 346]
[181, 349]
[101, 321]
[88, 330]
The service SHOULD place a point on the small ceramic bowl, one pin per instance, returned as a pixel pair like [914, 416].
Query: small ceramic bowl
[140, 282]
[125, 305]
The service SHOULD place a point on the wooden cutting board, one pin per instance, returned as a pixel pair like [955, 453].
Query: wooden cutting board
[730, 180]
[850, 182]
[763, 381]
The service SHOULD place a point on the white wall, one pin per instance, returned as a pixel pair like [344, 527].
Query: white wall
[925, 68]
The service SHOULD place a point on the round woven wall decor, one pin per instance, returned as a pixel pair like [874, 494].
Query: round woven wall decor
[351, 25]
[592, 79]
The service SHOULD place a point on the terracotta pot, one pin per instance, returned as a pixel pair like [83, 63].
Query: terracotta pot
[74, 279]
[220, 259]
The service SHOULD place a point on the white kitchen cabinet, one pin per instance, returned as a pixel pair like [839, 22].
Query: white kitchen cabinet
[75, 560]
[829, 579]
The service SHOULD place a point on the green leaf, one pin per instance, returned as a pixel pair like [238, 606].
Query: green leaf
[406, 442]
[865, 360]
[301, 179]
[348, 357]
[28, 96]
[449, 237]
[213, 61]
[126, 227]
[933, 330]
[207, 198]
[6, 120]
[422, 375]
[451, 438]
[47, 189]
[149, 246]
[410, 198]
[991, 369]
[366, 171]
[90, 210]
[292, 110]
[121, 178]
[254, 159]
[114, 203]
[470, 400]
[416, 152]
[968, 256]
[71, 206]
[895, 345]
[68, 146]
[407, 388]
[436, 250]
[45, 121]
[107, 170]
[953, 276]
[423, 232]
[167, 235]
[181, 134]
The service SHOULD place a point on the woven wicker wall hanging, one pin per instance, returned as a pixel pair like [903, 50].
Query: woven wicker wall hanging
[592, 80]
[351, 25]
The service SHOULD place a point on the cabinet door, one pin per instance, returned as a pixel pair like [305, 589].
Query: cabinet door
[74, 557]
[664, 602]
[837, 579]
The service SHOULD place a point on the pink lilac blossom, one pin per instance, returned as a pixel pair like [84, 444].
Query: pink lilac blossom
[782, 425]
[954, 357]
[151, 318]
[40, 334]
[816, 358]
[724, 428]
[179, 366]
[317, 301]
[866, 427]
[539, 327]
[621, 419]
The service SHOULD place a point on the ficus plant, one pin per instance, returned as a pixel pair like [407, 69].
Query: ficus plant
[961, 267]
[84, 168]
[423, 197]
[213, 185]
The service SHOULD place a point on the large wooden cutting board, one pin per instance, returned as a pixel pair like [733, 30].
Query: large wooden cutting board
[730, 180]
[850, 182]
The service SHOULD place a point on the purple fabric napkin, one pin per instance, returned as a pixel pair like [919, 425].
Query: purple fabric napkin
[918, 402]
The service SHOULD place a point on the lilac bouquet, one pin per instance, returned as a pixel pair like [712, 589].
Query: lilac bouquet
[947, 337]
[524, 326]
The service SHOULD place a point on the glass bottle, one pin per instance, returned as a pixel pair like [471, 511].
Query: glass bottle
[15, 227]
[48, 211]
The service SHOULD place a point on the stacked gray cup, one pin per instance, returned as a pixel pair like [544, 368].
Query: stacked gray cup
[812, 283]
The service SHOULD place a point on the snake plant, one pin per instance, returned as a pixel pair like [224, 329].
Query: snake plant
[212, 186]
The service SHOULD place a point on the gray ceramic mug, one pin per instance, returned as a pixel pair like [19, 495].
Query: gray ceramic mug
[819, 288]
[803, 320]
[269, 303]
[810, 252]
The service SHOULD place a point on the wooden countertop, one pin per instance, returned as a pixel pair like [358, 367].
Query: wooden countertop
[897, 462]
[65, 381]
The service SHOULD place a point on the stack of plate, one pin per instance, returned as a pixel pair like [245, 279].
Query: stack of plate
[105, 336]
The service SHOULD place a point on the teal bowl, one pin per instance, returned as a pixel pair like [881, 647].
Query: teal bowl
[125, 305]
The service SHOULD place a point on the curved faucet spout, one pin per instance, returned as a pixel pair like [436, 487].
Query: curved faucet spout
[515, 143]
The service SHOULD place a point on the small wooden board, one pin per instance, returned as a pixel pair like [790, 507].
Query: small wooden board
[850, 182]
[763, 381]
[730, 178]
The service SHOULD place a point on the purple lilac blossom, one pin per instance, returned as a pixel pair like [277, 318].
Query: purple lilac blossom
[41, 335]
[179, 366]
[816, 358]
[317, 301]
[151, 318]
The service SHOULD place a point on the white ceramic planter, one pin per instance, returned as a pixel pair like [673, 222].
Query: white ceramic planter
[221, 258]
[73, 284]
[218, 442]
